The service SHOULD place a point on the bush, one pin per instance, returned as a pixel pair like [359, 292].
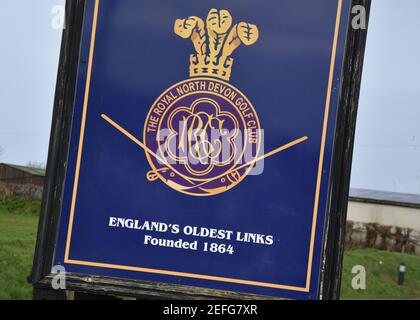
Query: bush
[18, 205]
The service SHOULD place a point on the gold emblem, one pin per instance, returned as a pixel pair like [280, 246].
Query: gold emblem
[202, 136]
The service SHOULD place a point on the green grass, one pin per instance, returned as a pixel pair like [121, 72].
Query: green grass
[381, 275]
[18, 225]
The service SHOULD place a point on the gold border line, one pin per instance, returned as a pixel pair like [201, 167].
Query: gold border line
[188, 275]
[192, 275]
[82, 128]
[322, 152]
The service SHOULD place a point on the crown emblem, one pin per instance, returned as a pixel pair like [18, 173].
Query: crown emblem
[215, 42]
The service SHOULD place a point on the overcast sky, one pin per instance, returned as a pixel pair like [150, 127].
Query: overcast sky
[387, 149]
[29, 51]
[387, 146]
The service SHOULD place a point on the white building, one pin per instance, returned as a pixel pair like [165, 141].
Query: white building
[384, 220]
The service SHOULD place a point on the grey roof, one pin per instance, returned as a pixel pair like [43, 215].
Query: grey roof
[385, 197]
[33, 171]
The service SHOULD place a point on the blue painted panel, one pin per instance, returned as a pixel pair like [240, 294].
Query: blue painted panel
[130, 55]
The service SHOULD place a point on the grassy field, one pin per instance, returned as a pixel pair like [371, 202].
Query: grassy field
[18, 223]
[381, 275]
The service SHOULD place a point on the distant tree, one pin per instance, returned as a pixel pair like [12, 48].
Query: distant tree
[36, 164]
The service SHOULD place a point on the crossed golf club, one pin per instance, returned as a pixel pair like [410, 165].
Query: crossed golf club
[153, 174]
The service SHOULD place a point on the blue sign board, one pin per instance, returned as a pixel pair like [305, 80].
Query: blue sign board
[201, 143]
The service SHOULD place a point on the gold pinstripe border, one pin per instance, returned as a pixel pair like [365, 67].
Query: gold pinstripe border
[192, 275]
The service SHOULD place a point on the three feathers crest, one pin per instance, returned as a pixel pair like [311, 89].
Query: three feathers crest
[214, 42]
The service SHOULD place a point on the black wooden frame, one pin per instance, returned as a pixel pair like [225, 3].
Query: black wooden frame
[339, 184]
[41, 276]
